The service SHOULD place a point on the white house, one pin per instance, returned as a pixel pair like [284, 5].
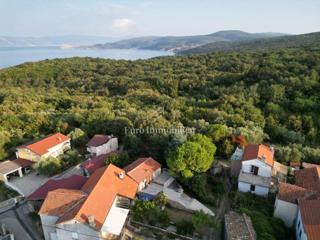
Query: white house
[50, 146]
[102, 144]
[286, 204]
[308, 220]
[256, 169]
[97, 211]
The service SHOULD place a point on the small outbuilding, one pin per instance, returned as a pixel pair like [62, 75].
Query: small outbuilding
[11, 168]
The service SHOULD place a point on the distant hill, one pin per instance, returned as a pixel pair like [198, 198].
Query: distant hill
[294, 41]
[6, 41]
[176, 44]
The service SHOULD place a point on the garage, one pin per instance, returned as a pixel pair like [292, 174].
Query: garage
[15, 168]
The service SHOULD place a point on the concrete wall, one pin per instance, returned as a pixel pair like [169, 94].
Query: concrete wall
[48, 226]
[286, 211]
[110, 146]
[65, 231]
[143, 184]
[299, 227]
[264, 169]
[245, 187]
[27, 154]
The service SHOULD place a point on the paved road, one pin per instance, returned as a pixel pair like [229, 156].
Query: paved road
[19, 223]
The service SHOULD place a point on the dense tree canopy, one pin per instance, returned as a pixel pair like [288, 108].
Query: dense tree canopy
[193, 156]
[268, 96]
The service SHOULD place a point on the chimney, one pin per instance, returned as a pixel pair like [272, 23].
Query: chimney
[59, 139]
[121, 175]
[263, 158]
[272, 149]
[91, 220]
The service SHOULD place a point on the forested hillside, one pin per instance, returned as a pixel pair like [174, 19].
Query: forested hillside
[294, 41]
[178, 43]
[267, 96]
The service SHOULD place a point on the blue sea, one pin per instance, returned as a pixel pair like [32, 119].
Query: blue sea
[17, 55]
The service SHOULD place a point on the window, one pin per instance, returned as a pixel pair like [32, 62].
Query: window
[252, 188]
[254, 170]
[75, 235]
[300, 232]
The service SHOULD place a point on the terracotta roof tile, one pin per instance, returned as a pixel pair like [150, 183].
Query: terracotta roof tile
[291, 193]
[42, 146]
[98, 140]
[239, 227]
[259, 151]
[73, 182]
[308, 178]
[310, 214]
[102, 188]
[60, 201]
[142, 168]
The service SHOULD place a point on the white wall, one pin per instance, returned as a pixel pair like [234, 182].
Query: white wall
[299, 226]
[110, 146]
[245, 187]
[84, 231]
[48, 225]
[286, 211]
[264, 169]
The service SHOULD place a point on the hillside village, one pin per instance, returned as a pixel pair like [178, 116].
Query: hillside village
[106, 196]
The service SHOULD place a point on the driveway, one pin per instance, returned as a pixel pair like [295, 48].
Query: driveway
[28, 183]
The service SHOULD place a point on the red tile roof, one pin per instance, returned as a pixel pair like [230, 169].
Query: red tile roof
[73, 182]
[96, 162]
[60, 201]
[310, 214]
[98, 140]
[42, 146]
[308, 178]
[291, 193]
[102, 188]
[258, 151]
[142, 168]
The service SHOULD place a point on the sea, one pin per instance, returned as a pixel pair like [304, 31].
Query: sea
[11, 56]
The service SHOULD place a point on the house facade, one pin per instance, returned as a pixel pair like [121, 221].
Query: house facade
[97, 211]
[50, 146]
[307, 225]
[143, 171]
[256, 169]
[286, 203]
[102, 144]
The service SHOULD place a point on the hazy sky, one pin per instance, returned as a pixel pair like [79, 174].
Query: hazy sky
[119, 18]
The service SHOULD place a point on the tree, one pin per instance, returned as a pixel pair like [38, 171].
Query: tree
[78, 137]
[118, 159]
[161, 199]
[49, 166]
[217, 132]
[193, 156]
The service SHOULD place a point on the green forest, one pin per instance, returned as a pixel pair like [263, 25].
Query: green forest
[268, 96]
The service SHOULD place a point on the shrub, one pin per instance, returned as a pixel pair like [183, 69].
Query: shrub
[185, 227]
[49, 166]
[119, 159]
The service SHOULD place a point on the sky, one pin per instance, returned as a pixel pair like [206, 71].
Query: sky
[123, 18]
